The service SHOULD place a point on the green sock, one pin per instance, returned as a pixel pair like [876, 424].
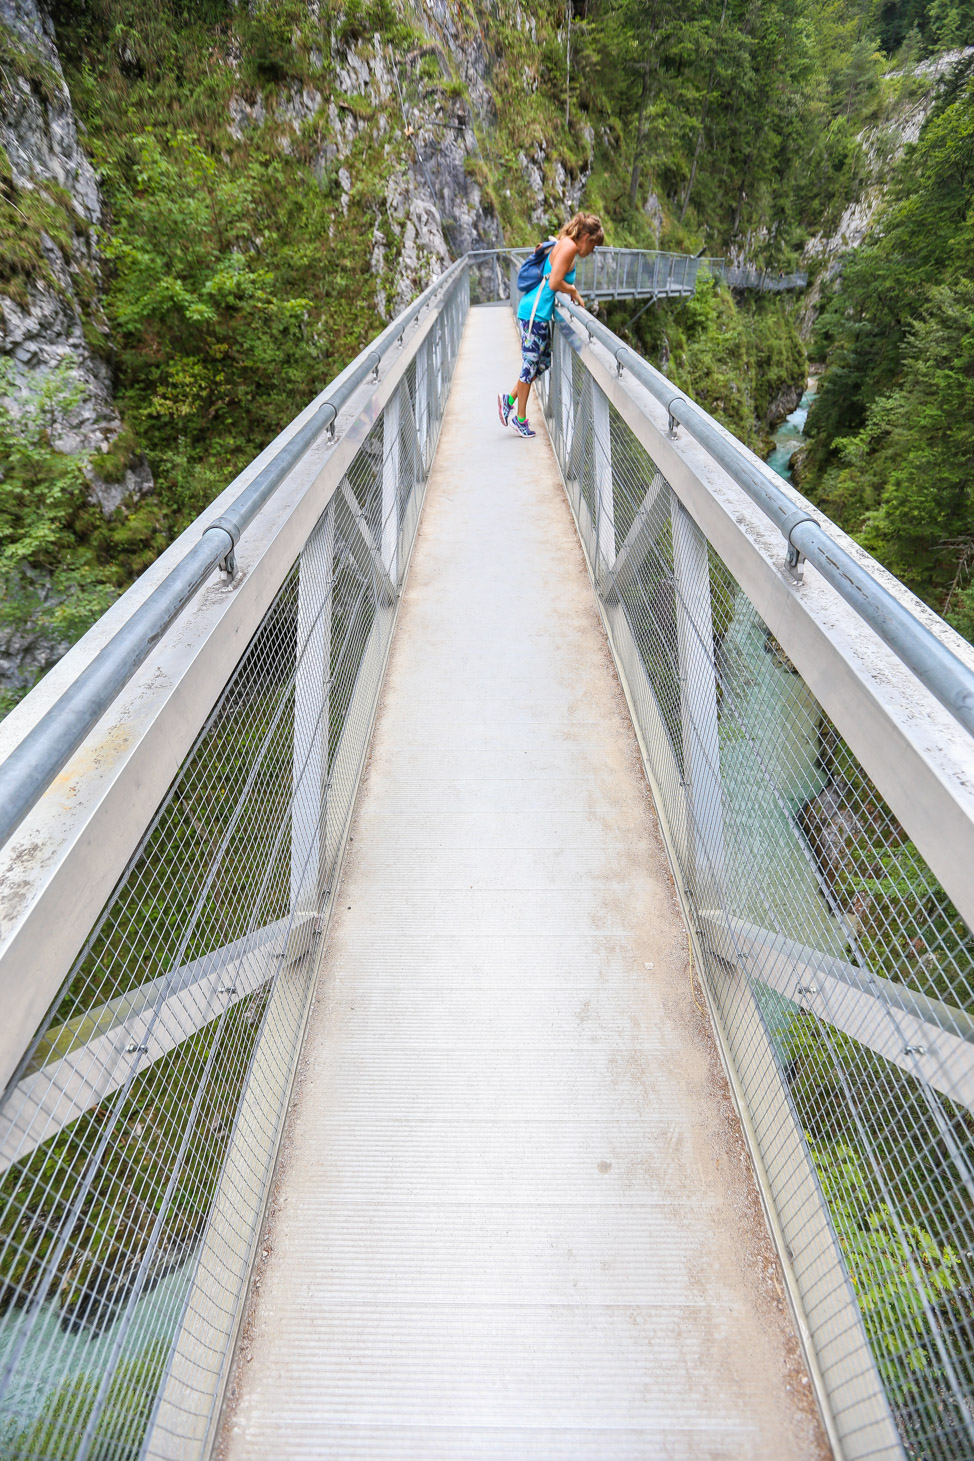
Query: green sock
[511, 400]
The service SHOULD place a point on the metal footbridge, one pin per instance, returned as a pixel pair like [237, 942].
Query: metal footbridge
[486, 954]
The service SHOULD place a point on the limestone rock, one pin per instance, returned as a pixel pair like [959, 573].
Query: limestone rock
[40, 135]
[653, 210]
[882, 144]
[38, 333]
[27, 652]
[787, 400]
[832, 829]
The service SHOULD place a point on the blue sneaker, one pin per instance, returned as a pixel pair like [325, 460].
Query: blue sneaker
[504, 408]
[523, 428]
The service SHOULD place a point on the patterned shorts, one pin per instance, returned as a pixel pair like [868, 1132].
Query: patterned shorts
[535, 349]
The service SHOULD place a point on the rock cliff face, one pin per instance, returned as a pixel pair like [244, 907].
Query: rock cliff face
[411, 195]
[437, 190]
[437, 194]
[882, 144]
[50, 311]
[787, 400]
[394, 133]
[552, 189]
[421, 201]
[56, 313]
[37, 125]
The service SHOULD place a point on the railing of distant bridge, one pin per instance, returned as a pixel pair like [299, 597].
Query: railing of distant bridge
[807, 732]
[614, 273]
[770, 280]
[164, 897]
[636, 273]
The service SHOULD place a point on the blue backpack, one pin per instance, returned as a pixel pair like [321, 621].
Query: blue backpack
[531, 272]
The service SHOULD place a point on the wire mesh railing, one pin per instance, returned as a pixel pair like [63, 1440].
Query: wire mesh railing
[138, 1136]
[839, 970]
[747, 276]
[635, 273]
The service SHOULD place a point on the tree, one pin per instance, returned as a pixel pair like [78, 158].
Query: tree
[913, 461]
[892, 430]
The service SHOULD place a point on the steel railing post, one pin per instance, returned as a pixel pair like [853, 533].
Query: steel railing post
[605, 540]
[311, 693]
[698, 702]
[554, 388]
[390, 486]
[423, 403]
[438, 362]
[566, 392]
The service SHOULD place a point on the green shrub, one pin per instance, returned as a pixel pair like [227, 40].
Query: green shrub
[899, 1272]
[120, 1428]
[61, 562]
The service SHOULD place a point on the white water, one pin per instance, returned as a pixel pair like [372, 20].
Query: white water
[790, 435]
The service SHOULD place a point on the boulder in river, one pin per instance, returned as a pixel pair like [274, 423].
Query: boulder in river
[833, 829]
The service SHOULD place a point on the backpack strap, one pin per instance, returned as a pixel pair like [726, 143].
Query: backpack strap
[534, 307]
[541, 286]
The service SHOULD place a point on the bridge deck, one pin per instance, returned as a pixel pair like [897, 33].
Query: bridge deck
[513, 1217]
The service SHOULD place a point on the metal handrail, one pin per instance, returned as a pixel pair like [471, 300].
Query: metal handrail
[41, 755]
[938, 668]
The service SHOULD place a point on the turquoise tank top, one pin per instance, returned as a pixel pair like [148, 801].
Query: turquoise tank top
[546, 303]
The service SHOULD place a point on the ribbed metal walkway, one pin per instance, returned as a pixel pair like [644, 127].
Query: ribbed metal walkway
[513, 1217]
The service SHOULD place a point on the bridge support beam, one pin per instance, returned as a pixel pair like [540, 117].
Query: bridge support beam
[436, 360]
[637, 542]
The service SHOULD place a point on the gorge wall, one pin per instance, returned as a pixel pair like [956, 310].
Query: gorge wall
[205, 215]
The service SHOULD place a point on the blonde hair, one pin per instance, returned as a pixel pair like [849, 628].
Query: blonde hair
[584, 223]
